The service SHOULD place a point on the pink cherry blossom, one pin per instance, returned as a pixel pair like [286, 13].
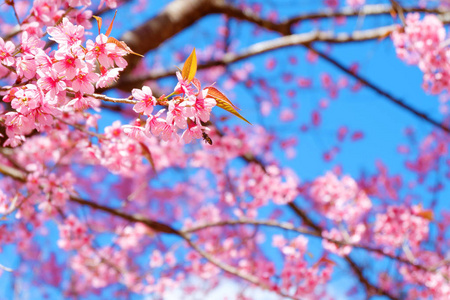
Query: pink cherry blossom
[6, 51]
[146, 100]
[67, 35]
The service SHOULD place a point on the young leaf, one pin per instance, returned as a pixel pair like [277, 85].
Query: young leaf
[108, 32]
[224, 103]
[426, 214]
[99, 23]
[146, 152]
[122, 45]
[216, 94]
[190, 67]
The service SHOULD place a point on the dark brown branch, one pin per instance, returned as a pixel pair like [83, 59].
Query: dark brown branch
[175, 17]
[154, 225]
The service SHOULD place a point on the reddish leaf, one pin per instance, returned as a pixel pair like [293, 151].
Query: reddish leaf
[224, 103]
[99, 23]
[108, 32]
[216, 94]
[122, 45]
[146, 152]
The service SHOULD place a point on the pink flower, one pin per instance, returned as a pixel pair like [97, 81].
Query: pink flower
[146, 100]
[18, 124]
[43, 61]
[135, 131]
[117, 56]
[30, 44]
[168, 131]
[339, 200]
[79, 102]
[156, 259]
[201, 107]
[183, 86]
[26, 67]
[6, 51]
[356, 3]
[155, 124]
[109, 3]
[68, 63]
[401, 224]
[66, 34]
[100, 50]
[25, 100]
[51, 84]
[194, 132]
[84, 79]
[107, 77]
[73, 234]
[45, 11]
[176, 115]
[75, 3]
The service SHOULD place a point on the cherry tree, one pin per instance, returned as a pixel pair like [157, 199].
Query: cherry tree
[170, 151]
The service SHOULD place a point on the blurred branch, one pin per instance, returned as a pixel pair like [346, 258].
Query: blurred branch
[128, 83]
[397, 101]
[106, 98]
[165, 228]
[314, 233]
[174, 18]
[317, 231]
[232, 270]
[285, 27]
[153, 225]
[135, 218]
[445, 18]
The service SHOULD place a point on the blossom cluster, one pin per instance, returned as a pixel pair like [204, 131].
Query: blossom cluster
[339, 200]
[343, 202]
[296, 273]
[401, 225]
[187, 113]
[423, 43]
[38, 103]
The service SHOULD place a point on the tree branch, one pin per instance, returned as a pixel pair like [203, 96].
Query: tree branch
[397, 101]
[127, 83]
[313, 233]
[175, 17]
[232, 270]
[445, 18]
[156, 226]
